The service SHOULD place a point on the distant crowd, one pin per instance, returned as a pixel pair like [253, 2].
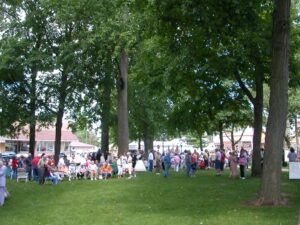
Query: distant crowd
[96, 167]
[189, 162]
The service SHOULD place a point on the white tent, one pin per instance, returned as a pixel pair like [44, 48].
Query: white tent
[140, 166]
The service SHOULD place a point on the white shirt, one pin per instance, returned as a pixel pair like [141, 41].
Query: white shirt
[218, 155]
[150, 156]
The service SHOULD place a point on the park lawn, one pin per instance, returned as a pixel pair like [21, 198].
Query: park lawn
[148, 199]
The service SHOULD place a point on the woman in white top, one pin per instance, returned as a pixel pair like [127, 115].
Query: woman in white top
[2, 183]
[120, 169]
[129, 165]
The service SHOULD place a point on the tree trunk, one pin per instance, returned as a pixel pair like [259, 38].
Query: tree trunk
[139, 144]
[122, 104]
[221, 135]
[32, 106]
[257, 124]
[148, 140]
[60, 115]
[258, 112]
[232, 137]
[271, 180]
[201, 142]
[58, 126]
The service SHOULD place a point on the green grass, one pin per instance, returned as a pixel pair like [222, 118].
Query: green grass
[148, 199]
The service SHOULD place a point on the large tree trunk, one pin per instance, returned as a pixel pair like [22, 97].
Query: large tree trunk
[122, 105]
[271, 180]
[258, 113]
[32, 106]
[60, 115]
[58, 126]
[257, 124]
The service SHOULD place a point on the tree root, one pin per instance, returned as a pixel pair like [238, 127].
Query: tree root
[282, 201]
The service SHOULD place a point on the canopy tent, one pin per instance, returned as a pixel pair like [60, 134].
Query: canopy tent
[140, 166]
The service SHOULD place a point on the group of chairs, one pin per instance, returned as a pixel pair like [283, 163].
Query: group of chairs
[22, 175]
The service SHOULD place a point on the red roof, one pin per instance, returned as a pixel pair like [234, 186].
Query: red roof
[48, 135]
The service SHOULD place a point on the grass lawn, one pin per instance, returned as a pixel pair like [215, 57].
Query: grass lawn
[148, 199]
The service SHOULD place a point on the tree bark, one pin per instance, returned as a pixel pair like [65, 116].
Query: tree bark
[270, 192]
[232, 137]
[122, 104]
[60, 115]
[200, 142]
[148, 139]
[257, 103]
[257, 124]
[221, 135]
[32, 106]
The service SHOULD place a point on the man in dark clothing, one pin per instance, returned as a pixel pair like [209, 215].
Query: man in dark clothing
[98, 156]
[29, 166]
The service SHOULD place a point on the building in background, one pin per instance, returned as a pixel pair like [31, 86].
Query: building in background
[44, 141]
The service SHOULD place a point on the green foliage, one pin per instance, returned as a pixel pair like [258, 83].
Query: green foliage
[183, 57]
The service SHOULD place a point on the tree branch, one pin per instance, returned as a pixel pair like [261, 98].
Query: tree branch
[227, 136]
[243, 87]
[240, 136]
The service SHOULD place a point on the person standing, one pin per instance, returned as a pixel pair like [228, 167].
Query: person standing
[2, 183]
[218, 162]
[167, 164]
[158, 163]
[188, 161]
[222, 162]
[292, 155]
[34, 165]
[41, 168]
[176, 162]
[14, 167]
[134, 160]
[233, 164]
[29, 166]
[150, 161]
[129, 165]
[194, 163]
[205, 157]
[119, 165]
[242, 162]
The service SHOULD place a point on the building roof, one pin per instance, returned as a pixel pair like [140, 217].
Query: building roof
[46, 134]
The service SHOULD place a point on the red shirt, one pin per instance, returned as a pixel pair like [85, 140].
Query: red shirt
[222, 157]
[35, 161]
[14, 163]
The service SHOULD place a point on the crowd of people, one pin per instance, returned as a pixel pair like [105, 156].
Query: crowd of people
[190, 162]
[42, 168]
